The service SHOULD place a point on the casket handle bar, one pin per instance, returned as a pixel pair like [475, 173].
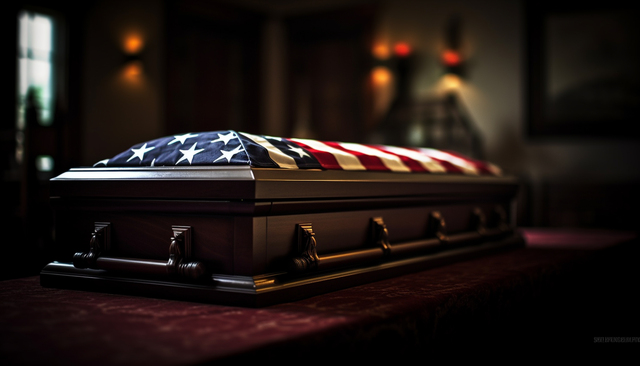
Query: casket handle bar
[437, 240]
[177, 266]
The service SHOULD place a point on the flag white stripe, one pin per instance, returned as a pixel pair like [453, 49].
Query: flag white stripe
[346, 160]
[426, 162]
[280, 158]
[467, 167]
[393, 162]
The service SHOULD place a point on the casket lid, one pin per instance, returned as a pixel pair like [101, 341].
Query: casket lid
[200, 166]
[245, 182]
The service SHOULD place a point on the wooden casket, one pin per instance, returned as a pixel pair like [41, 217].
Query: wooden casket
[238, 219]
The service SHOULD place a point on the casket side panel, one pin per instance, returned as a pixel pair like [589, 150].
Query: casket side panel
[257, 231]
[144, 231]
[250, 245]
[349, 230]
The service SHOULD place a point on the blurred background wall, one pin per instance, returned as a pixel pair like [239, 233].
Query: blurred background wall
[363, 71]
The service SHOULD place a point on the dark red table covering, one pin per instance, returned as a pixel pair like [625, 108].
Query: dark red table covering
[564, 286]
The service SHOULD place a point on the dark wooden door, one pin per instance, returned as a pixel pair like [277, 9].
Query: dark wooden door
[213, 73]
[329, 65]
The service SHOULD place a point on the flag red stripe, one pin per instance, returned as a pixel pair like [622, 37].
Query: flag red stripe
[415, 166]
[328, 161]
[450, 168]
[482, 168]
[369, 162]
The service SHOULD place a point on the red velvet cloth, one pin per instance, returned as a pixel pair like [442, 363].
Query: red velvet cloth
[541, 293]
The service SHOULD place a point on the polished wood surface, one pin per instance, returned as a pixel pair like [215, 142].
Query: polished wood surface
[243, 227]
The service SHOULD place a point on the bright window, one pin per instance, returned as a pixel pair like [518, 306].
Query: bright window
[35, 66]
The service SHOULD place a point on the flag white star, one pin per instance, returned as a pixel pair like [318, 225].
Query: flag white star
[224, 138]
[229, 154]
[139, 153]
[298, 150]
[105, 161]
[188, 154]
[181, 138]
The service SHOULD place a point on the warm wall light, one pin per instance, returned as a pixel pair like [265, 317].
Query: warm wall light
[133, 69]
[381, 76]
[133, 44]
[381, 51]
[402, 49]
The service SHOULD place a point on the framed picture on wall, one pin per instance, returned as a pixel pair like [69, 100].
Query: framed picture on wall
[583, 69]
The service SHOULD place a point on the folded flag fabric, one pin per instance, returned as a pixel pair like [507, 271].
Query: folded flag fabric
[241, 148]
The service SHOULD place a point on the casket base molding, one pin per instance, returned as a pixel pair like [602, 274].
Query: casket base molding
[263, 290]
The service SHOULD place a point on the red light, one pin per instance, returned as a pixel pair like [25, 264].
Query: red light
[402, 49]
[451, 58]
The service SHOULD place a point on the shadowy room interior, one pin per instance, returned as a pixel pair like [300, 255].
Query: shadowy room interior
[548, 92]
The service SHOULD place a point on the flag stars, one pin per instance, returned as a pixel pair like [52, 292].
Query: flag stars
[229, 154]
[181, 138]
[298, 150]
[139, 153]
[225, 138]
[189, 154]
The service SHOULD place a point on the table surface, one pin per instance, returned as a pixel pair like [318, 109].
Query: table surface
[539, 293]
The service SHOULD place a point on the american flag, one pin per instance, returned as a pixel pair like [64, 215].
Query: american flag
[241, 148]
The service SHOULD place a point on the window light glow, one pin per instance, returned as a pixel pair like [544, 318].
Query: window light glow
[44, 163]
[35, 65]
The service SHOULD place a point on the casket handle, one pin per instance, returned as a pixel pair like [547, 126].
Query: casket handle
[177, 265]
[437, 240]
